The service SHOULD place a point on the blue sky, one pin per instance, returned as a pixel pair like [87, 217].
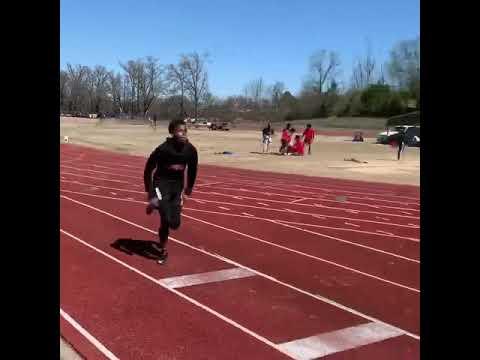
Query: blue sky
[246, 39]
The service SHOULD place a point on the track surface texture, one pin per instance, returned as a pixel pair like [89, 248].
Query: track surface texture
[264, 266]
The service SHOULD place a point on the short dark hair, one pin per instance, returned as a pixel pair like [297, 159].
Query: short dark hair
[297, 136]
[309, 125]
[292, 130]
[174, 123]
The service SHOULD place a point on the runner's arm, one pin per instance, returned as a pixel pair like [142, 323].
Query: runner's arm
[191, 172]
[147, 173]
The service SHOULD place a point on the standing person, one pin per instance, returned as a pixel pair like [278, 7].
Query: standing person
[266, 138]
[401, 143]
[165, 191]
[308, 136]
[285, 139]
[154, 121]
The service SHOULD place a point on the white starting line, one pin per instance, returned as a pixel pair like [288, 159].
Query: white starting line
[176, 282]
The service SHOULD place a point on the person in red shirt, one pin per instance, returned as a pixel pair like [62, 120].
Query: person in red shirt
[298, 147]
[308, 136]
[285, 139]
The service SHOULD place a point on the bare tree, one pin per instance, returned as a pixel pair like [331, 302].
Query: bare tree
[177, 81]
[277, 91]
[197, 78]
[101, 86]
[144, 77]
[78, 87]
[255, 90]
[117, 92]
[64, 90]
[404, 65]
[364, 70]
[324, 66]
[151, 84]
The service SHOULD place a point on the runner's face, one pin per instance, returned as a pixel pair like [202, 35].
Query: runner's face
[180, 133]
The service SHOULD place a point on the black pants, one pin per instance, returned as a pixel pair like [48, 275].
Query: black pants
[401, 146]
[170, 207]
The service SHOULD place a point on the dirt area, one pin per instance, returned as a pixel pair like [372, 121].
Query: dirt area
[67, 352]
[328, 158]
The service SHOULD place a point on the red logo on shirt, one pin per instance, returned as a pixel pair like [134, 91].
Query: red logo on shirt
[177, 167]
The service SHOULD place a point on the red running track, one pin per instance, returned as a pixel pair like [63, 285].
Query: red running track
[314, 279]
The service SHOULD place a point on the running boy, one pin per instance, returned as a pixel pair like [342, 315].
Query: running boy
[308, 136]
[165, 191]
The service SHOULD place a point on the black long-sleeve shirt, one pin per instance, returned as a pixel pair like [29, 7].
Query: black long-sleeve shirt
[169, 161]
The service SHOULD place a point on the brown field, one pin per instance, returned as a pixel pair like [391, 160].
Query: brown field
[330, 149]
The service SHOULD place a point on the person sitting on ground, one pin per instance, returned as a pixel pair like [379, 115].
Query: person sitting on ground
[298, 147]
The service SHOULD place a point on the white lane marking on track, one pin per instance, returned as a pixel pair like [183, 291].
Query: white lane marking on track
[232, 262]
[347, 223]
[325, 344]
[306, 255]
[297, 200]
[384, 232]
[259, 203]
[257, 217]
[176, 292]
[176, 282]
[88, 336]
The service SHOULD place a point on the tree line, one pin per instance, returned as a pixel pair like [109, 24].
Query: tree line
[144, 87]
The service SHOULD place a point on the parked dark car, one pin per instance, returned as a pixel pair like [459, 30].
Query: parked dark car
[225, 126]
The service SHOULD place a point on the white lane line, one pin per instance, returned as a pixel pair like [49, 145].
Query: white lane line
[263, 183]
[406, 213]
[176, 282]
[347, 223]
[381, 218]
[88, 336]
[384, 232]
[208, 184]
[259, 203]
[294, 201]
[176, 292]
[249, 215]
[113, 193]
[224, 208]
[259, 273]
[317, 197]
[346, 241]
[97, 178]
[305, 254]
[99, 172]
[285, 202]
[325, 344]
